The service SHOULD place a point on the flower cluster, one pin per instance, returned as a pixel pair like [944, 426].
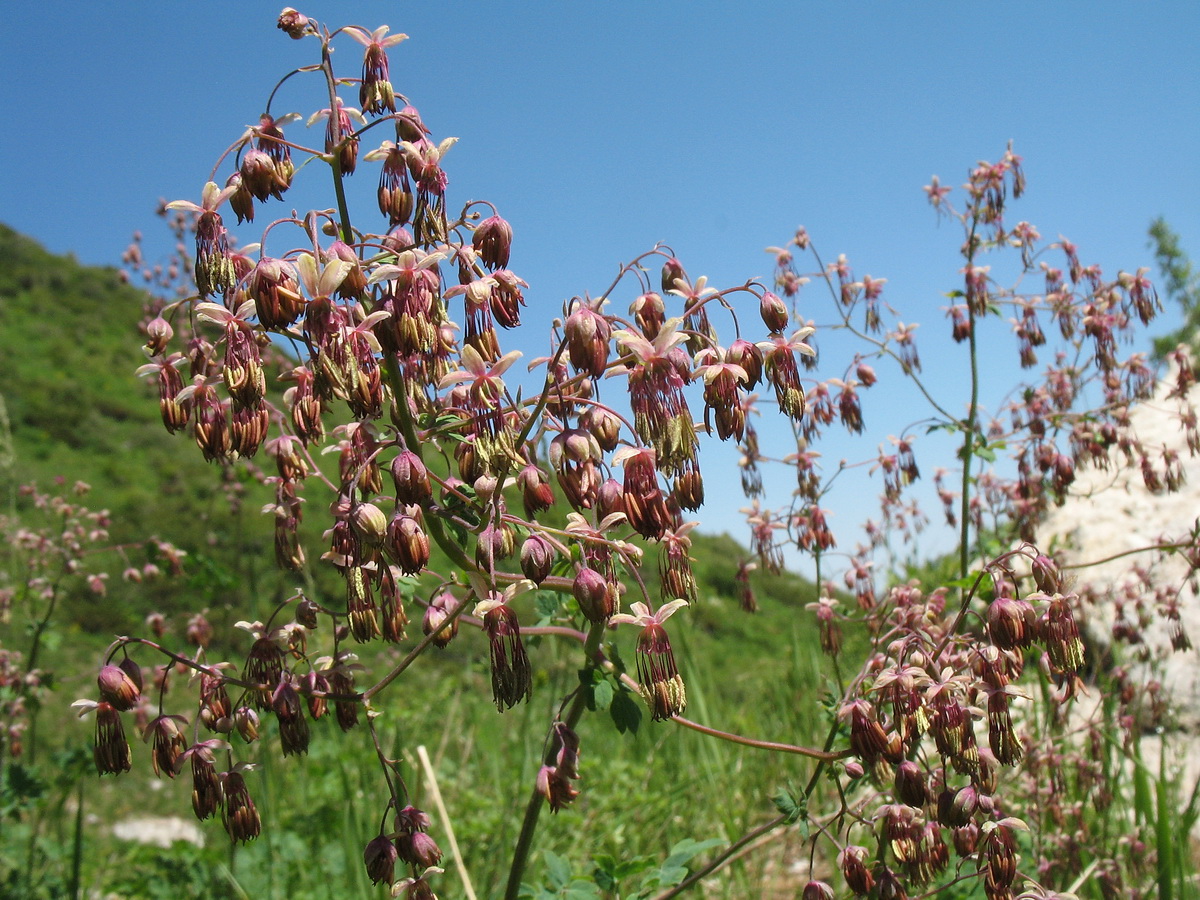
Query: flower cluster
[384, 349]
[370, 361]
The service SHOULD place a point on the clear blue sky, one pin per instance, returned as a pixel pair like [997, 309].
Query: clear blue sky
[599, 129]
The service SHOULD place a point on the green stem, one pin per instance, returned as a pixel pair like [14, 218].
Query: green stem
[969, 426]
[336, 162]
[534, 808]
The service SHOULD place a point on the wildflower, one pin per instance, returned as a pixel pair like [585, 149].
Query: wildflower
[660, 683]
[274, 287]
[535, 490]
[645, 505]
[675, 565]
[597, 599]
[111, 750]
[380, 858]
[375, 94]
[700, 333]
[1002, 737]
[289, 710]
[587, 333]
[648, 313]
[174, 411]
[168, 744]
[118, 688]
[245, 720]
[411, 479]
[240, 816]
[779, 365]
[868, 740]
[673, 275]
[360, 605]
[723, 378]
[1012, 623]
[341, 681]
[304, 406]
[512, 675]
[213, 271]
[295, 25]
[537, 558]
[407, 543]
[774, 312]
[492, 240]
[554, 781]
[852, 862]
[556, 787]
[394, 194]
[269, 140]
[413, 843]
[575, 456]
[1061, 634]
[998, 857]
[206, 786]
[340, 142]
[393, 618]
[656, 381]
[910, 784]
[440, 609]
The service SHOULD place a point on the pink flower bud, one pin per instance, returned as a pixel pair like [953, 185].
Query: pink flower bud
[492, 240]
[117, 688]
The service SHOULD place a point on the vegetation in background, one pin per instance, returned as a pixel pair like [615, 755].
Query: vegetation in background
[1181, 283]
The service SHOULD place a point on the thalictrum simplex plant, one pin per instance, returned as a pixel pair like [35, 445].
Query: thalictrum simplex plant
[465, 508]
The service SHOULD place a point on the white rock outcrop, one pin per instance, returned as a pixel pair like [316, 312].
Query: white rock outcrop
[1111, 513]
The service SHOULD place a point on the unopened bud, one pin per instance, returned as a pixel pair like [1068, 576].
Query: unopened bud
[774, 312]
[295, 25]
[537, 558]
[245, 720]
[411, 478]
[117, 688]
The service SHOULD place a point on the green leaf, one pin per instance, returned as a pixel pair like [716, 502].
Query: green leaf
[546, 604]
[788, 806]
[626, 712]
[558, 870]
[602, 695]
[669, 876]
[688, 849]
[581, 890]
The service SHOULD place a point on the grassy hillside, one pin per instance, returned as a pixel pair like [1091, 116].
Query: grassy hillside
[73, 409]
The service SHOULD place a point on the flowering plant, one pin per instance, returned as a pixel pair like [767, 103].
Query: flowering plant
[390, 342]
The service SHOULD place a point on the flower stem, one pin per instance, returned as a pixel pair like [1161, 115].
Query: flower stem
[969, 426]
[534, 808]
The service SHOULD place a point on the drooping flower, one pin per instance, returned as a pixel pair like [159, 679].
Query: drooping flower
[375, 94]
[339, 134]
[661, 416]
[240, 815]
[660, 682]
[214, 270]
[512, 674]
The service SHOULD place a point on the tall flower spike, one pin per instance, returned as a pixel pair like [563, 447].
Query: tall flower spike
[660, 682]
